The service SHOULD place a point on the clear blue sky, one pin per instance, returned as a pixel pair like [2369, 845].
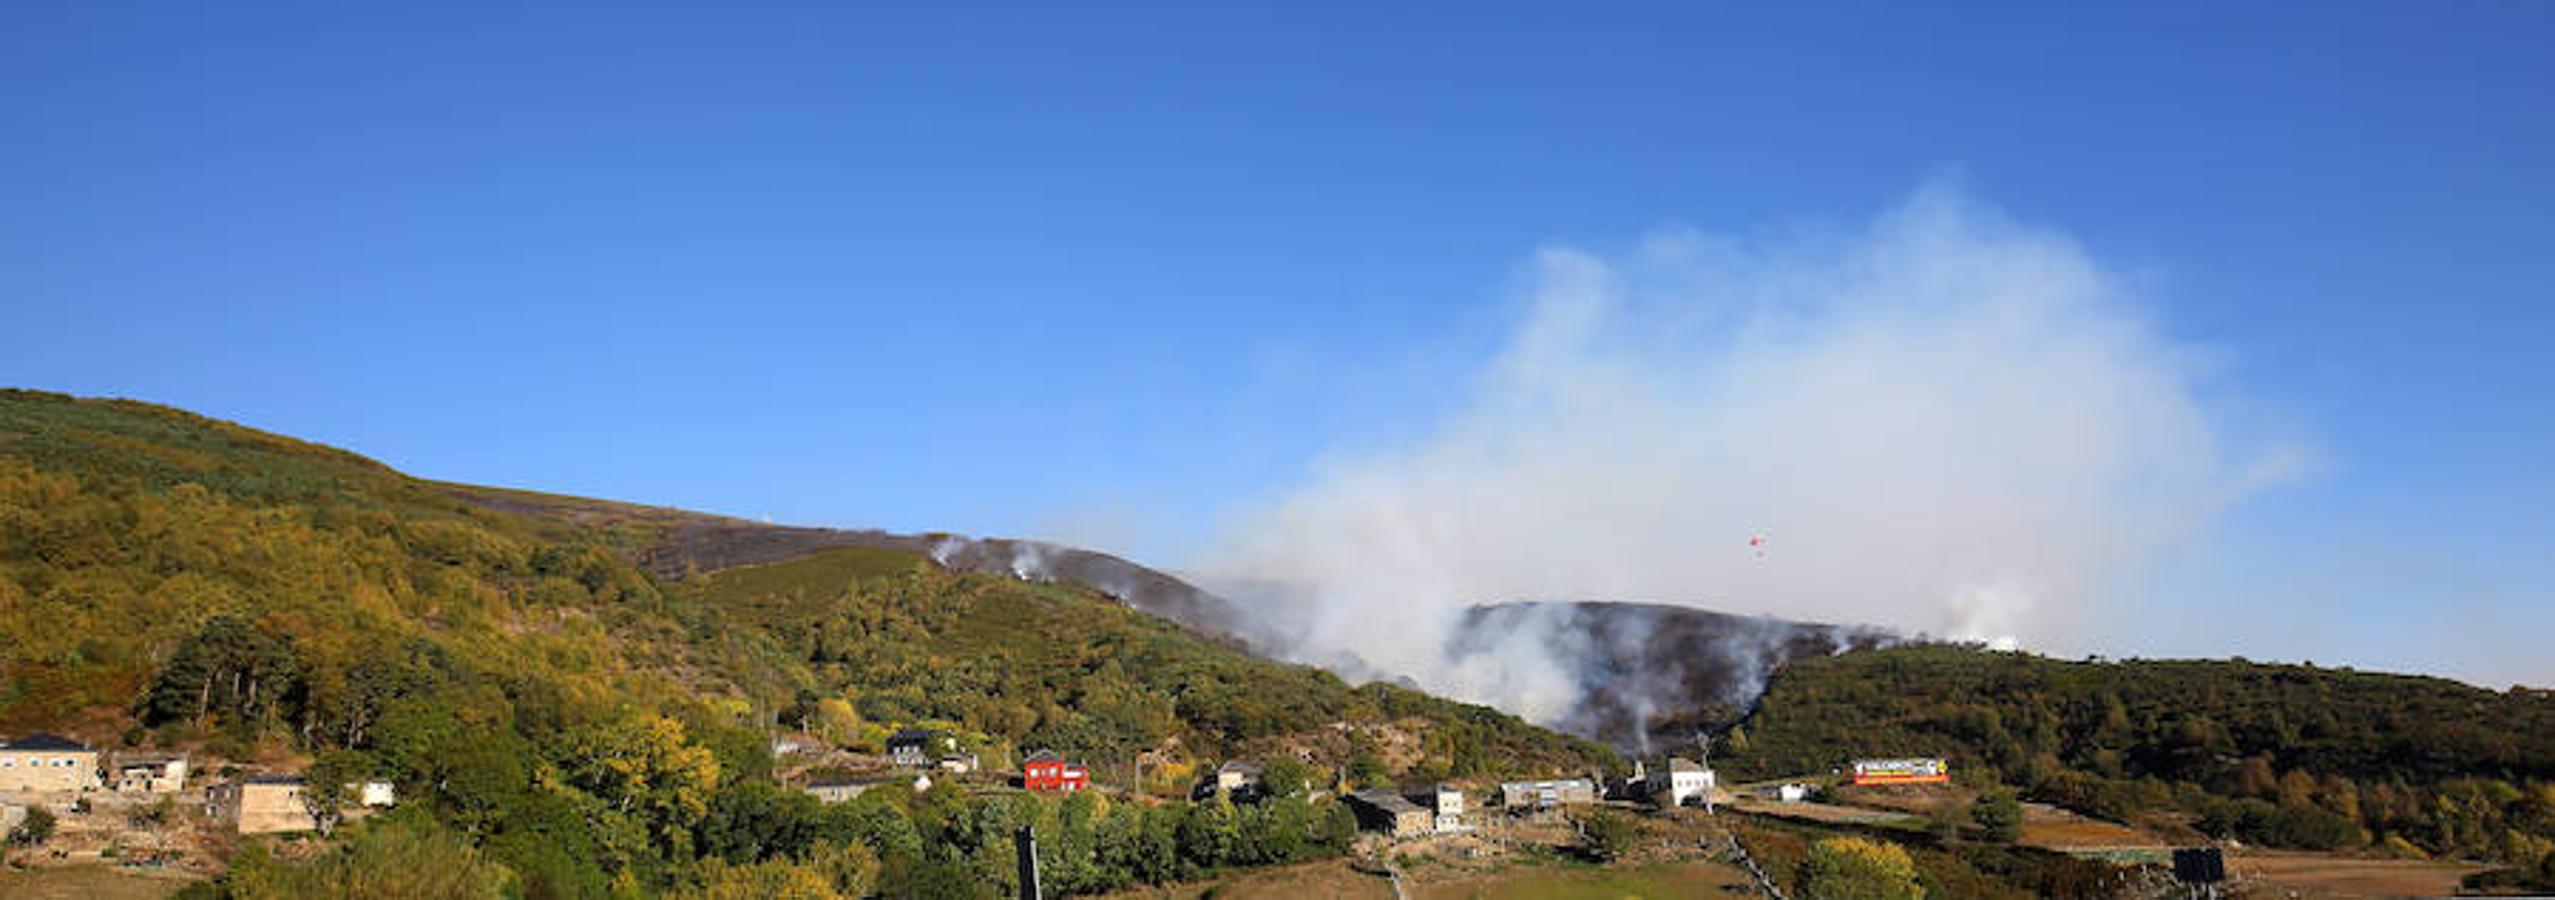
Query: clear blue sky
[991, 270]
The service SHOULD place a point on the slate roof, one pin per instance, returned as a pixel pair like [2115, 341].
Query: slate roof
[914, 737]
[46, 742]
[1388, 801]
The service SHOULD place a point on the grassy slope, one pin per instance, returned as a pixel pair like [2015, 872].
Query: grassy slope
[123, 526]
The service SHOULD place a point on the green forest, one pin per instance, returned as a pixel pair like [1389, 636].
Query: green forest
[2279, 755]
[563, 724]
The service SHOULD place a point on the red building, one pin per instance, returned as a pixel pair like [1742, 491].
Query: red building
[1045, 771]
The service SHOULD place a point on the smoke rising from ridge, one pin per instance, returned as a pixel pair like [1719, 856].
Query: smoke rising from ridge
[1943, 422]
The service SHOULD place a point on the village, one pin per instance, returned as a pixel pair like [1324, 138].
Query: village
[67, 802]
[175, 816]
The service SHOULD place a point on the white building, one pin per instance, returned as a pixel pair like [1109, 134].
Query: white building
[1449, 808]
[1677, 782]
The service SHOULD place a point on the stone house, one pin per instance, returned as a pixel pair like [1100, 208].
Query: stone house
[1390, 812]
[1238, 779]
[48, 763]
[268, 804]
[261, 804]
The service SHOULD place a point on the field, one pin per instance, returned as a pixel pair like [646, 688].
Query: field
[1830, 814]
[1559, 882]
[2052, 828]
[1551, 881]
[2313, 876]
[1327, 880]
[86, 883]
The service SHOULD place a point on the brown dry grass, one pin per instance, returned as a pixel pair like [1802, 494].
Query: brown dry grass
[1829, 814]
[1328, 880]
[88, 883]
[1680, 879]
[2312, 876]
[2058, 829]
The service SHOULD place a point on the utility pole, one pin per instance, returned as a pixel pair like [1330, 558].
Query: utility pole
[1026, 842]
[1712, 779]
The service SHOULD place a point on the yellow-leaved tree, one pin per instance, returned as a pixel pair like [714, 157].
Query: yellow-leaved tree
[1858, 869]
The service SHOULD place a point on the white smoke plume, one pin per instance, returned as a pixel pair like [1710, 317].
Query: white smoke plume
[1943, 422]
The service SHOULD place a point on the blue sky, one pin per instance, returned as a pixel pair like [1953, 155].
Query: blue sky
[1107, 274]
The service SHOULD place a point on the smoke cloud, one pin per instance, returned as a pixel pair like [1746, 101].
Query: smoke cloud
[1942, 421]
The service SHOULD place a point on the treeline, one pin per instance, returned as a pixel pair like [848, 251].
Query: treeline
[752, 839]
[2291, 756]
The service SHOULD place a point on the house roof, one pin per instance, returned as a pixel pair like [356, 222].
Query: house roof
[1044, 756]
[44, 740]
[1550, 783]
[1677, 764]
[1240, 767]
[1388, 801]
[915, 736]
[148, 758]
[272, 779]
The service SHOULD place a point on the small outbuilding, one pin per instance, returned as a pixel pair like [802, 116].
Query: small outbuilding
[148, 773]
[1517, 796]
[1391, 813]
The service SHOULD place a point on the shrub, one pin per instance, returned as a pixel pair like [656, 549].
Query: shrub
[1858, 869]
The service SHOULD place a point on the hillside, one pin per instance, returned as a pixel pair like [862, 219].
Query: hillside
[2273, 754]
[1652, 674]
[561, 711]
